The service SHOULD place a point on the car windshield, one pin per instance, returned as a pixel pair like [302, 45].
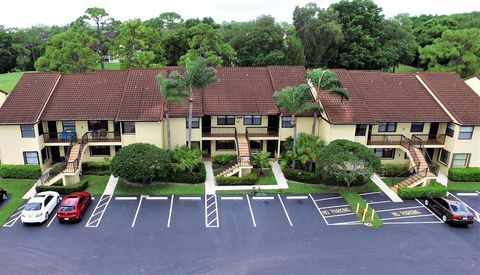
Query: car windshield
[459, 208]
[32, 206]
[66, 208]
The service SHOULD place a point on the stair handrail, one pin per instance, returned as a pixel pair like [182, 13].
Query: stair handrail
[248, 143]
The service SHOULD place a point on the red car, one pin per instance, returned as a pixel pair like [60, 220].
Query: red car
[74, 206]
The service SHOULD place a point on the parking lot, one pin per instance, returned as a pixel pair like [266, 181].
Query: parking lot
[230, 233]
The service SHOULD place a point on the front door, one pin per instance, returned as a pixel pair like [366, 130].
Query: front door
[207, 147]
[273, 122]
[55, 153]
[432, 134]
[52, 129]
[272, 147]
[206, 124]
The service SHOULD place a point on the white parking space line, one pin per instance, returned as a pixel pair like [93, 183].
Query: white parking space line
[429, 210]
[297, 197]
[335, 206]
[340, 215]
[15, 217]
[326, 199]
[379, 202]
[232, 198]
[348, 223]
[156, 198]
[467, 194]
[318, 209]
[53, 217]
[478, 192]
[477, 215]
[408, 217]
[190, 198]
[285, 210]
[395, 209]
[125, 198]
[409, 222]
[138, 209]
[251, 211]
[211, 211]
[99, 211]
[170, 212]
[263, 198]
[369, 193]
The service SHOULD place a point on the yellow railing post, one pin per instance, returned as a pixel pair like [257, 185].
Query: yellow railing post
[365, 213]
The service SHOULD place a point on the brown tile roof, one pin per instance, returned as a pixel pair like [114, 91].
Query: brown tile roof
[25, 102]
[460, 100]
[86, 96]
[380, 97]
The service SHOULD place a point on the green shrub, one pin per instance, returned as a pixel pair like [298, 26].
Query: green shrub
[249, 179]
[65, 190]
[186, 160]
[141, 162]
[20, 171]
[393, 169]
[96, 168]
[464, 174]
[301, 176]
[224, 159]
[434, 189]
[57, 168]
[182, 177]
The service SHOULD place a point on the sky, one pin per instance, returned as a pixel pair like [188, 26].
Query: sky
[25, 13]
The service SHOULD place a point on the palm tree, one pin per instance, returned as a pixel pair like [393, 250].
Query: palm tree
[307, 150]
[186, 160]
[260, 159]
[325, 80]
[172, 90]
[198, 75]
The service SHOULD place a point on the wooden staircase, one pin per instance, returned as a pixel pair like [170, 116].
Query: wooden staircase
[230, 171]
[243, 145]
[243, 156]
[73, 162]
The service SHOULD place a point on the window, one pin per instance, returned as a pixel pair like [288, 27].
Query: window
[443, 156]
[287, 122]
[252, 120]
[466, 132]
[44, 154]
[256, 145]
[361, 130]
[30, 158]
[450, 130]
[99, 151]
[40, 129]
[27, 131]
[225, 120]
[385, 153]
[68, 125]
[417, 127]
[97, 125]
[48, 199]
[225, 145]
[128, 127]
[195, 122]
[195, 144]
[387, 127]
[460, 160]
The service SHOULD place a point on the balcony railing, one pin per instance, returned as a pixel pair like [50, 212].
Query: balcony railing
[219, 131]
[261, 132]
[102, 136]
[389, 140]
[59, 137]
[428, 140]
[92, 136]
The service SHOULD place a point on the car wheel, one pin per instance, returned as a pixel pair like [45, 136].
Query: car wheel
[426, 202]
[444, 218]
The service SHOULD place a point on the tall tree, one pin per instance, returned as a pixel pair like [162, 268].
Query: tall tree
[456, 50]
[325, 81]
[100, 20]
[319, 31]
[7, 52]
[172, 90]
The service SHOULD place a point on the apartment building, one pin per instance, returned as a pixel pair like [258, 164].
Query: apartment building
[431, 120]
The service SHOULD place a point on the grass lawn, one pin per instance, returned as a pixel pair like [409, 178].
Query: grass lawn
[110, 66]
[463, 186]
[96, 184]
[353, 199]
[9, 80]
[267, 178]
[16, 188]
[407, 69]
[160, 189]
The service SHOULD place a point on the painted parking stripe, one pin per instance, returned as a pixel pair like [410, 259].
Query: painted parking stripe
[211, 211]
[369, 193]
[156, 198]
[408, 217]
[263, 198]
[251, 211]
[170, 212]
[339, 215]
[52, 218]
[429, 210]
[232, 198]
[297, 197]
[125, 198]
[467, 194]
[318, 209]
[190, 198]
[412, 222]
[379, 202]
[326, 199]
[99, 210]
[136, 212]
[285, 210]
[15, 217]
[335, 206]
[396, 209]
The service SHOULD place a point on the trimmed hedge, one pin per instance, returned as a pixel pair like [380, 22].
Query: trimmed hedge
[392, 169]
[249, 179]
[65, 190]
[187, 177]
[464, 174]
[20, 171]
[96, 168]
[224, 159]
[301, 176]
[434, 189]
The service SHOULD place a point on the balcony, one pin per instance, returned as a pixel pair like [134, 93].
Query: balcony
[60, 137]
[428, 140]
[261, 132]
[388, 140]
[229, 132]
[92, 136]
[102, 136]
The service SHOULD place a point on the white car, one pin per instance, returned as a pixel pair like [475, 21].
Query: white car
[40, 207]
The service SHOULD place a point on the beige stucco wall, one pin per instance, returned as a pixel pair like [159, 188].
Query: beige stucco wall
[304, 125]
[474, 83]
[239, 123]
[403, 128]
[460, 146]
[87, 157]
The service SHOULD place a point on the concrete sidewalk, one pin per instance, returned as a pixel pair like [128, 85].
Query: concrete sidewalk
[385, 188]
[110, 188]
[210, 179]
